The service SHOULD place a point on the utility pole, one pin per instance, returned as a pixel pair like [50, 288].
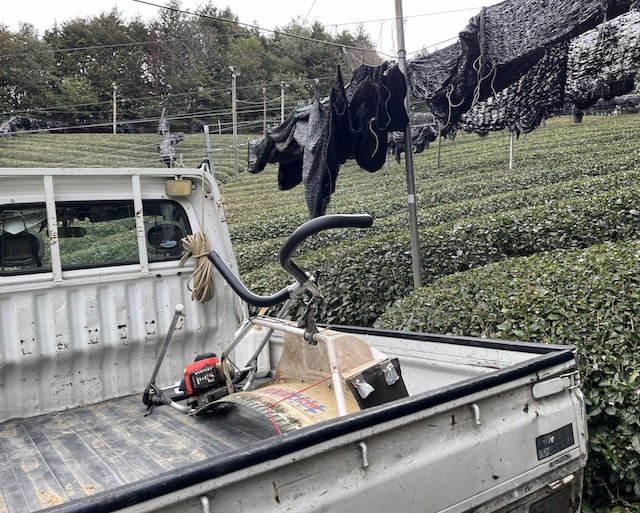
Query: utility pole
[264, 111]
[282, 86]
[408, 156]
[235, 122]
[115, 87]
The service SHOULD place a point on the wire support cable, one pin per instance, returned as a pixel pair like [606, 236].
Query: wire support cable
[256, 27]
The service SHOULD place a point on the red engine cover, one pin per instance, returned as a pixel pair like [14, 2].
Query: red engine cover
[197, 377]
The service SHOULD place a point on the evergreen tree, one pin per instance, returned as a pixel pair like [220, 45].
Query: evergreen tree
[97, 52]
[25, 72]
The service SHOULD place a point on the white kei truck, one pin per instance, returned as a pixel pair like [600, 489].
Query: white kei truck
[118, 392]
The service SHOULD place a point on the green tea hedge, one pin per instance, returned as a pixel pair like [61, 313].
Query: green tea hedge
[588, 298]
[361, 279]
[263, 250]
[385, 195]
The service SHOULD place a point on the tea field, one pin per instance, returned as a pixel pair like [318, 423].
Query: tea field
[548, 251]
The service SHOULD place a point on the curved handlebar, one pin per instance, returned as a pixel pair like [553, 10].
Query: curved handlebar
[295, 239]
[312, 227]
[239, 288]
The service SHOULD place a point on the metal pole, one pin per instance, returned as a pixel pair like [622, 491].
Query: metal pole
[287, 327]
[206, 134]
[439, 143]
[179, 312]
[264, 111]
[408, 154]
[511, 150]
[114, 106]
[336, 377]
[281, 102]
[235, 123]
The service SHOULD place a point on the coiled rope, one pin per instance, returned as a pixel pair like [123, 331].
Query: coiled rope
[198, 246]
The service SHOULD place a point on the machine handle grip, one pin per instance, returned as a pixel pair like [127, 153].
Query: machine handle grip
[311, 228]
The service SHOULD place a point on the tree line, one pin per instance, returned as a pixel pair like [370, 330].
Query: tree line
[178, 63]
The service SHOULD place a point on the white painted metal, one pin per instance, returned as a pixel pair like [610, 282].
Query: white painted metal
[95, 334]
[335, 374]
[430, 365]
[204, 500]
[476, 412]
[365, 454]
[52, 226]
[336, 378]
[437, 460]
[140, 230]
[551, 387]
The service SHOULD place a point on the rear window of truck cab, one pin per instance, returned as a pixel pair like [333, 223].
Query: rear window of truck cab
[90, 234]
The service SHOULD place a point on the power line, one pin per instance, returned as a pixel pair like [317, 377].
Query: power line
[194, 114]
[309, 12]
[256, 27]
[164, 41]
[434, 45]
[117, 45]
[165, 97]
[406, 17]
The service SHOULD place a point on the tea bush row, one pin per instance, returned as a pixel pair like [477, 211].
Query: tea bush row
[361, 279]
[386, 195]
[252, 255]
[588, 298]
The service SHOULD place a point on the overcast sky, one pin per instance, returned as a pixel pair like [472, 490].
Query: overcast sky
[426, 24]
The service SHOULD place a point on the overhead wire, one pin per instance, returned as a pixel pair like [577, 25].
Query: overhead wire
[410, 16]
[257, 27]
[163, 41]
[117, 45]
[309, 12]
[176, 117]
[165, 97]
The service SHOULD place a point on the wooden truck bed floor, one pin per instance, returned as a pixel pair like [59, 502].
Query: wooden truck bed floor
[56, 458]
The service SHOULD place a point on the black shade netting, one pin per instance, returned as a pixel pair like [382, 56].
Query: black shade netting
[523, 105]
[603, 62]
[312, 144]
[498, 47]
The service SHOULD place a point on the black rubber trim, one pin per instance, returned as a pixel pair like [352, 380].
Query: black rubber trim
[239, 288]
[312, 227]
[288, 443]
[505, 345]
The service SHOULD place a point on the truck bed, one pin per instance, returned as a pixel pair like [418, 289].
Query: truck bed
[503, 418]
[53, 459]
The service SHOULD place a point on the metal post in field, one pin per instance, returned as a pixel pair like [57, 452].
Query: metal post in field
[206, 134]
[439, 143]
[511, 150]
[408, 154]
[235, 122]
[264, 111]
[115, 87]
[282, 86]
